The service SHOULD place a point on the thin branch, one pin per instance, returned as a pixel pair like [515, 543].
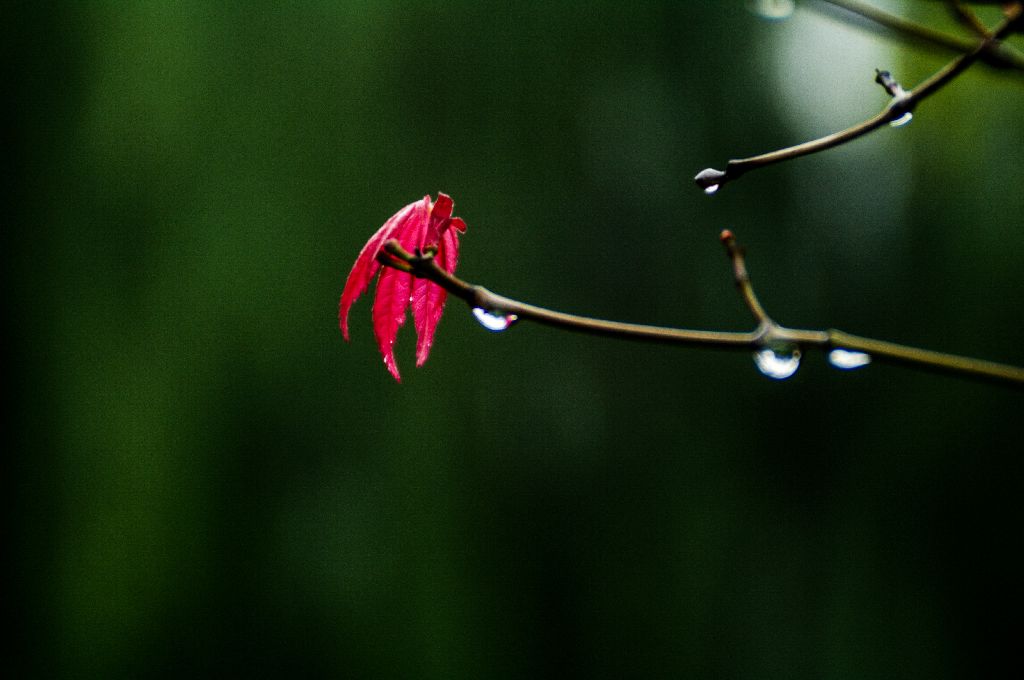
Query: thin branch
[966, 16]
[958, 66]
[423, 266]
[898, 109]
[742, 278]
[767, 335]
[998, 55]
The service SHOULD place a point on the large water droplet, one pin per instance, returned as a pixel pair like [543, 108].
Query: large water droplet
[777, 364]
[494, 322]
[709, 190]
[902, 120]
[846, 359]
[772, 9]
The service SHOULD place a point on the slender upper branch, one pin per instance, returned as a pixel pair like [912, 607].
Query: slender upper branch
[767, 334]
[967, 17]
[711, 179]
[998, 55]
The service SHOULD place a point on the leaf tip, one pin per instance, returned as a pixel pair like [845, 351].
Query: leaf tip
[392, 366]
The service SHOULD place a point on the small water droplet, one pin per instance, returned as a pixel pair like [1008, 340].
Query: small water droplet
[846, 359]
[777, 364]
[902, 120]
[710, 180]
[494, 322]
[772, 9]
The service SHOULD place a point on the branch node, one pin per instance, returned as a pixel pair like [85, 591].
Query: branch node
[898, 112]
[900, 109]
[767, 336]
[394, 255]
[890, 84]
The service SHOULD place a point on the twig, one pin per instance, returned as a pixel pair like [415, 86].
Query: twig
[711, 179]
[966, 16]
[767, 335]
[424, 267]
[999, 55]
[742, 278]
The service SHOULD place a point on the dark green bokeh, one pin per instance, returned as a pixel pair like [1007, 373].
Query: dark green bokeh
[207, 480]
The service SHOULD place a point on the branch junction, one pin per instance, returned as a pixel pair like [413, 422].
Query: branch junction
[768, 336]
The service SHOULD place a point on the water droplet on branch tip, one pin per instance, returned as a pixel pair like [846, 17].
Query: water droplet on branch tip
[777, 364]
[846, 359]
[902, 120]
[710, 180]
[494, 322]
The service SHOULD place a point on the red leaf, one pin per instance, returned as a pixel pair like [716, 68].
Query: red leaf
[428, 298]
[389, 313]
[432, 297]
[416, 226]
[366, 264]
[450, 248]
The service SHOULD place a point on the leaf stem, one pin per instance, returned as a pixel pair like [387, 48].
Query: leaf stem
[711, 179]
[767, 333]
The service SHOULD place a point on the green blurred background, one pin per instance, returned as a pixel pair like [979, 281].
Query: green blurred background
[206, 480]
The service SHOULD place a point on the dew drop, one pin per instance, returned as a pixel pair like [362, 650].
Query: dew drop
[846, 360]
[902, 120]
[494, 322]
[772, 9]
[710, 180]
[777, 364]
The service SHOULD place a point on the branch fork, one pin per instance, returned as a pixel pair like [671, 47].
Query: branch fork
[903, 103]
[767, 335]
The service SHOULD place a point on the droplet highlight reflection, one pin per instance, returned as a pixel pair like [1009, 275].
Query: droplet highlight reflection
[776, 364]
[902, 120]
[494, 322]
[847, 360]
[709, 190]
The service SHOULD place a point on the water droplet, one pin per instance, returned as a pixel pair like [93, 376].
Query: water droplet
[902, 120]
[846, 359]
[777, 364]
[710, 180]
[494, 322]
[772, 9]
